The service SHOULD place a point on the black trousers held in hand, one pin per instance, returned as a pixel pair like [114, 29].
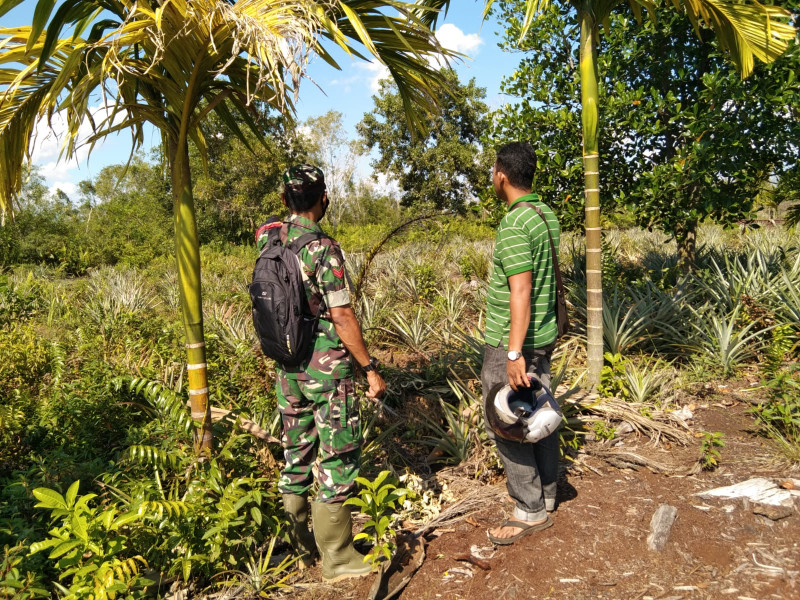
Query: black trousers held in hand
[531, 469]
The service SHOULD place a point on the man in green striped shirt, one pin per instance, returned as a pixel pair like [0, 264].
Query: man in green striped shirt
[521, 332]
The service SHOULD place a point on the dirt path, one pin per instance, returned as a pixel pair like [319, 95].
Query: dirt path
[597, 546]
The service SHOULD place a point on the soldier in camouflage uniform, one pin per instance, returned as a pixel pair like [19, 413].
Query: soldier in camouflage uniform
[319, 409]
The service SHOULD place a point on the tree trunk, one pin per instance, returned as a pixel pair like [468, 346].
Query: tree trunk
[187, 253]
[686, 236]
[591, 174]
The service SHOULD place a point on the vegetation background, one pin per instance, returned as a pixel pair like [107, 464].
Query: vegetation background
[101, 492]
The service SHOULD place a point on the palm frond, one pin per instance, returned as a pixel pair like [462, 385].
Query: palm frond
[172, 63]
[746, 30]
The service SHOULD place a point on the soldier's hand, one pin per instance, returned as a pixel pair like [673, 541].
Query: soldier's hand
[517, 377]
[377, 386]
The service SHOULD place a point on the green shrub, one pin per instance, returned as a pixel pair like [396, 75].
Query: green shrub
[474, 264]
[24, 359]
[780, 414]
[379, 501]
[16, 584]
[15, 304]
[353, 238]
[710, 449]
[613, 377]
[88, 545]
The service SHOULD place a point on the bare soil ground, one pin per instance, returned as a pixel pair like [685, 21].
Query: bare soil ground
[597, 547]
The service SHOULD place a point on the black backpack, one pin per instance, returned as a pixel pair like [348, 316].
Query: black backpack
[284, 320]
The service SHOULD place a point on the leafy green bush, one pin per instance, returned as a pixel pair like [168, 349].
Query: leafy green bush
[780, 414]
[24, 359]
[613, 377]
[15, 304]
[88, 545]
[14, 583]
[710, 449]
[217, 511]
[378, 500]
[474, 264]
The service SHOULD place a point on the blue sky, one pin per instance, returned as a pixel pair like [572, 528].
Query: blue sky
[348, 91]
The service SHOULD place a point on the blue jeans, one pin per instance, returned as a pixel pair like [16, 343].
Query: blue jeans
[531, 469]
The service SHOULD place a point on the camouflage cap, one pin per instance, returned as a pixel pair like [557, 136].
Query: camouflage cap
[302, 178]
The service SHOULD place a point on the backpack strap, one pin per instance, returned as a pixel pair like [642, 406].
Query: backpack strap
[315, 303]
[304, 240]
[559, 283]
[560, 295]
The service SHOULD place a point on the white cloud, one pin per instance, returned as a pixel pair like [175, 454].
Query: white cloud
[68, 187]
[47, 146]
[452, 38]
[376, 71]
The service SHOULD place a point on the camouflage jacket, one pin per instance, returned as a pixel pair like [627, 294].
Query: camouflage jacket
[327, 286]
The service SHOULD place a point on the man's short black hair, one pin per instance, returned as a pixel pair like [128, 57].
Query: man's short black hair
[517, 161]
[301, 201]
[303, 186]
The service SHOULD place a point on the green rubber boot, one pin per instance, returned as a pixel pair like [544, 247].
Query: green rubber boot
[333, 530]
[302, 540]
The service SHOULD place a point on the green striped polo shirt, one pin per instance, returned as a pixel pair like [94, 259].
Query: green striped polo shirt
[522, 245]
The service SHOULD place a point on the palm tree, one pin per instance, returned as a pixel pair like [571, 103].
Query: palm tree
[170, 64]
[745, 28]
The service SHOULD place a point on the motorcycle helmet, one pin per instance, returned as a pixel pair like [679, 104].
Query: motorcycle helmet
[527, 415]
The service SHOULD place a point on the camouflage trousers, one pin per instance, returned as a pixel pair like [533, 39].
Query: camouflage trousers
[321, 423]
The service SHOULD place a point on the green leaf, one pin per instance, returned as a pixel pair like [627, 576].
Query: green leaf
[79, 527]
[44, 545]
[106, 518]
[49, 498]
[7, 5]
[124, 519]
[63, 548]
[82, 504]
[256, 514]
[40, 17]
[356, 502]
[363, 481]
[380, 478]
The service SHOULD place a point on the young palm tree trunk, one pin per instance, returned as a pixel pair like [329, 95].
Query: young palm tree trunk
[187, 253]
[591, 173]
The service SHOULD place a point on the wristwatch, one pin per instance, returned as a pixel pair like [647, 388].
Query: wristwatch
[372, 365]
[514, 355]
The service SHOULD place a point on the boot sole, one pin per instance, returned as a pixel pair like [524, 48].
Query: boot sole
[345, 576]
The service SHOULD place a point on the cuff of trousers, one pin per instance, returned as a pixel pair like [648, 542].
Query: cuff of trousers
[524, 515]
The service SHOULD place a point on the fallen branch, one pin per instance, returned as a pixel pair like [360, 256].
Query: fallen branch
[251, 427]
[631, 460]
[470, 558]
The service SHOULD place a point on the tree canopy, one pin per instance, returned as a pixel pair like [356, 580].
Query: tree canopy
[448, 166]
